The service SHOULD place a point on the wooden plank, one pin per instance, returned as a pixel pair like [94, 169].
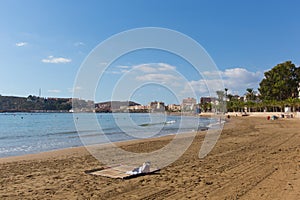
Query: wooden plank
[118, 172]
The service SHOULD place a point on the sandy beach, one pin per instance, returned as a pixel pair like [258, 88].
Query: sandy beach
[253, 159]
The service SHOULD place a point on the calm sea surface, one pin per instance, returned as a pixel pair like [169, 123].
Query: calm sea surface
[26, 133]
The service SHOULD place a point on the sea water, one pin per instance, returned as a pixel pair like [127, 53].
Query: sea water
[27, 133]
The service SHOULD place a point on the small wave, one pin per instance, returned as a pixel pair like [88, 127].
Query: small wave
[170, 122]
[217, 124]
[152, 124]
[63, 133]
[144, 124]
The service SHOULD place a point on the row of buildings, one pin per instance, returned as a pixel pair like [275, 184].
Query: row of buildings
[187, 105]
[206, 104]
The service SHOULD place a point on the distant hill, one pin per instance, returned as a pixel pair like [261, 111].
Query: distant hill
[33, 103]
[37, 104]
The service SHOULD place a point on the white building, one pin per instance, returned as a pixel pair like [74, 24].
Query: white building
[188, 104]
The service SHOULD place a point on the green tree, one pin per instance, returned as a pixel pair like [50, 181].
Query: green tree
[280, 83]
[292, 102]
[205, 107]
[230, 97]
[250, 94]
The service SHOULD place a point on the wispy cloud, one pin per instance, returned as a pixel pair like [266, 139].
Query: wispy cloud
[77, 88]
[123, 67]
[54, 91]
[21, 44]
[103, 63]
[56, 60]
[164, 78]
[144, 68]
[154, 67]
[76, 44]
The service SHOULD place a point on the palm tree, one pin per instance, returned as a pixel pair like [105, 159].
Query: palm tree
[220, 95]
[297, 104]
[250, 94]
[237, 105]
[292, 102]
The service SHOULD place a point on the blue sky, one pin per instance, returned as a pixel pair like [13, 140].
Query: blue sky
[43, 43]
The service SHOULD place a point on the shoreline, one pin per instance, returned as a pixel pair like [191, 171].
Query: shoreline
[80, 144]
[263, 114]
[70, 151]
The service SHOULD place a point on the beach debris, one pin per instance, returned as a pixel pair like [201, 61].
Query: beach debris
[245, 114]
[123, 171]
[145, 168]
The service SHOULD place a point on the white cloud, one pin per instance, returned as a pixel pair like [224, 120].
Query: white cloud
[164, 78]
[157, 72]
[240, 73]
[113, 72]
[56, 60]
[54, 91]
[21, 44]
[237, 80]
[77, 88]
[202, 87]
[154, 67]
[122, 71]
[165, 67]
[212, 74]
[79, 44]
[123, 67]
[145, 68]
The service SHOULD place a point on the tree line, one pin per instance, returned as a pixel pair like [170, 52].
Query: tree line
[33, 103]
[278, 89]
